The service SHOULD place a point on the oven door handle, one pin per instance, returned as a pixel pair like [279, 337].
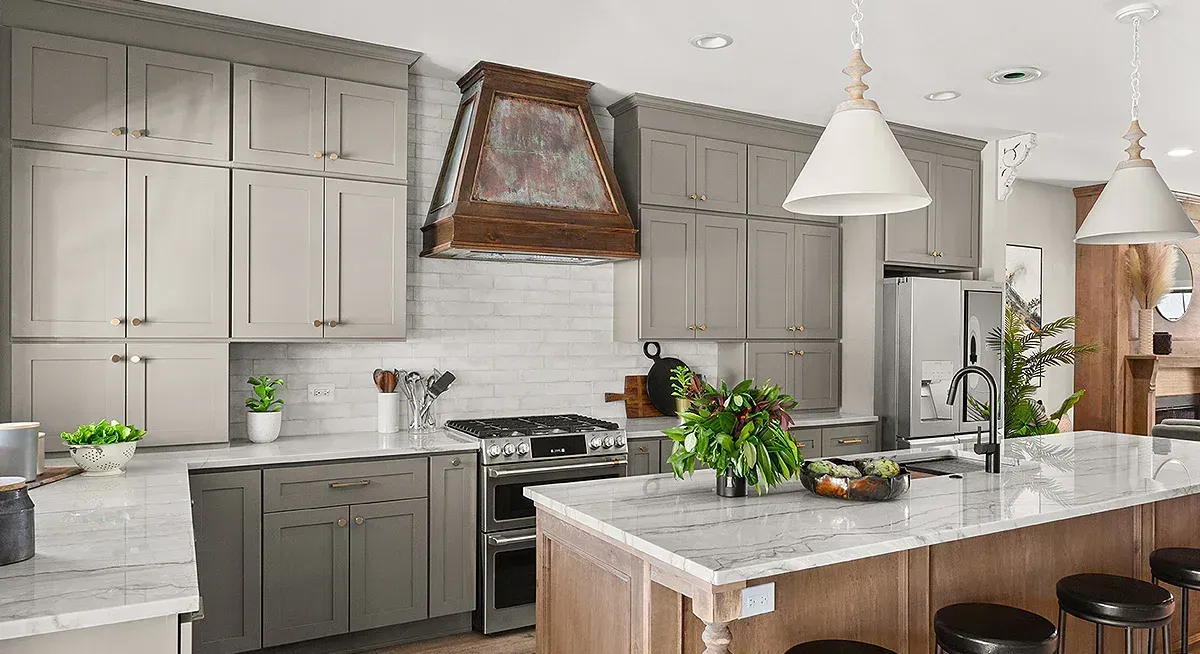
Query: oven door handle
[511, 540]
[496, 474]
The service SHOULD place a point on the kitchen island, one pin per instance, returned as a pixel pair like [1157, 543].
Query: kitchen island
[652, 564]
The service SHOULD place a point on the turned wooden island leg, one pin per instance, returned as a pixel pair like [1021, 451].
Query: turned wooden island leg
[716, 638]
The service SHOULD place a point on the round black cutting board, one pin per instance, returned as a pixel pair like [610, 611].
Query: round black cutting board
[658, 380]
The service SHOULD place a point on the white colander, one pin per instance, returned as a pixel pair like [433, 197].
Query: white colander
[102, 460]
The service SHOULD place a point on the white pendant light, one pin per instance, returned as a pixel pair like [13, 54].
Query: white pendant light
[1136, 205]
[857, 168]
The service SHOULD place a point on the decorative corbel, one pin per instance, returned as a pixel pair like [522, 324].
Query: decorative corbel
[1011, 153]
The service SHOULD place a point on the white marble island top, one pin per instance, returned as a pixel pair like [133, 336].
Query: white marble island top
[726, 540]
[117, 549]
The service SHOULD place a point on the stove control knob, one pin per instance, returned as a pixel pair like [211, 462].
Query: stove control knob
[620, 441]
[595, 443]
[522, 449]
[608, 441]
[509, 449]
[493, 451]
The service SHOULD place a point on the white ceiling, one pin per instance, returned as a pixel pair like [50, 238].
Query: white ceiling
[787, 56]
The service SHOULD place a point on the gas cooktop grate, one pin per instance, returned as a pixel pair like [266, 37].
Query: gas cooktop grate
[530, 425]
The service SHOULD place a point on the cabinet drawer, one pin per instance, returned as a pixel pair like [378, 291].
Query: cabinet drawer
[809, 442]
[854, 439]
[285, 489]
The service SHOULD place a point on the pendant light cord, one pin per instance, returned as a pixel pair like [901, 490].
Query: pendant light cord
[1135, 78]
[856, 37]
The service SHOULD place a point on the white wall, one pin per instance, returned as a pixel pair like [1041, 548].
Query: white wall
[521, 338]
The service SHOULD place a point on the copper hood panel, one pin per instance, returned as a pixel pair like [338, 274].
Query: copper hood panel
[526, 176]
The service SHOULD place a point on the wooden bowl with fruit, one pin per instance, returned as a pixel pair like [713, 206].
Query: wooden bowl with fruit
[859, 480]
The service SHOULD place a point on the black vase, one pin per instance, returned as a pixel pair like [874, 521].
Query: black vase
[1162, 343]
[731, 485]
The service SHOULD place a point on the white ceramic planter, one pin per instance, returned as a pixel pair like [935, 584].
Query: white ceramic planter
[263, 427]
[102, 460]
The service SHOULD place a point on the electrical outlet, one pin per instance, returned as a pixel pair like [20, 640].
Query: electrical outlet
[320, 392]
[757, 600]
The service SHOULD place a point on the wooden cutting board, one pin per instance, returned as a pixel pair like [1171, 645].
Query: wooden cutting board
[637, 401]
[53, 474]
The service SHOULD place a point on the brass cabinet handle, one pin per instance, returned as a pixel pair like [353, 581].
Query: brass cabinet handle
[703, 198]
[135, 359]
[317, 323]
[349, 484]
[139, 133]
[115, 322]
[333, 155]
[849, 441]
[117, 131]
[359, 520]
[341, 522]
[703, 327]
[802, 444]
[692, 196]
[456, 462]
[135, 322]
[318, 155]
[116, 358]
[332, 323]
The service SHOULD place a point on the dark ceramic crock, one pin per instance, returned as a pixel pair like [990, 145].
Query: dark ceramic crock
[16, 521]
[730, 485]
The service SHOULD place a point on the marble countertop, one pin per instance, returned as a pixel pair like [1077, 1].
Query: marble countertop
[725, 540]
[116, 549]
[653, 427]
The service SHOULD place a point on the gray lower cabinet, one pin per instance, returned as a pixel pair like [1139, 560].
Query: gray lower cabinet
[808, 441]
[850, 439]
[64, 385]
[389, 564]
[306, 574]
[453, 533]
[227, 522]
[945, 233]
[178, 105]
[644, 457]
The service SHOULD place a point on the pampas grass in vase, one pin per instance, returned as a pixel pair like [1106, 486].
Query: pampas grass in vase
[1151, 267]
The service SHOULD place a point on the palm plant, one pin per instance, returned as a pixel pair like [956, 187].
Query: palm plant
[1026, 360]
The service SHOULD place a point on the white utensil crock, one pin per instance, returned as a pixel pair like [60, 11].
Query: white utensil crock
[389, 413]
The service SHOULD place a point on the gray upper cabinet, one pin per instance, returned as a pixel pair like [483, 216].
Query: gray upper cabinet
[178, 391]
[818, 286]
[366, 229]
[178, 251]
[720, 175]
[178, 105]
[227, 523]
[770, 175]
[278, 118]
[366, 129]
[68, 249]
[278, 255]
[453, 533]
[306, 575]
[909, 237]
[771, 312]
[774, 362]
[68, 90]
[389, 567]
[668, 169]
[720, 284]
[817, 383]
[667, 272]
[944, 234]
[64, 385]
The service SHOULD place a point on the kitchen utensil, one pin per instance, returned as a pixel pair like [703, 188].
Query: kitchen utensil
[637, 402]
[389, 413]
[868, 488]
[19, 450]
[442, 383]
[16, 521]
[105, 460]
[378, 377]
[658, 380]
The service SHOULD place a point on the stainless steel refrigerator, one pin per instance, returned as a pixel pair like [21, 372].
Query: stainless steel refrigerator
[929, 329]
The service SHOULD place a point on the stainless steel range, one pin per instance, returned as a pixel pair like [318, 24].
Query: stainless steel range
[520, 452]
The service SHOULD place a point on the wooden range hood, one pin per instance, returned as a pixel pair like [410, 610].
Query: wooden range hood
[526, 176]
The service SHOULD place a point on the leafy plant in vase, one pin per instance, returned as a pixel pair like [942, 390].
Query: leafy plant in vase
[682, 382]
[264, 417]
[741, 432]
[103, 448]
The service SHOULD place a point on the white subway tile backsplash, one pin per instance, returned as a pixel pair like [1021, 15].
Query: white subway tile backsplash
[520, 338]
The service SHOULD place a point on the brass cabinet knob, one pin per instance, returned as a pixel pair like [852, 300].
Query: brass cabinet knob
[333, 155]
[139, 133]
[799, 353]
[317, 323]
[115, 322]
[135, 359]
[692, 327]
[799, 328]
[332, 323]
[791, 353]
[703, 327]
[643, 448]
[135, 322]
[116, 358]
[792, 328]
[359, 520]
[341, 522]
[117, 131]
[692, 196]
[318, 155]
[456, 462]
[703, 198]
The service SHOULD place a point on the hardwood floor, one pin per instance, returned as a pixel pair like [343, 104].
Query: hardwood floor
[515, 642]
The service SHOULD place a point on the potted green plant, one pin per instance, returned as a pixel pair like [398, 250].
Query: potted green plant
[264, 417]
[682, 380]
[741, 432]
[103, 448]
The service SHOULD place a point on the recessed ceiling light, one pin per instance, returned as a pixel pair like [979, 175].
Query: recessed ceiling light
[943, 96]
[712, 41]
[1016, 75]
[1180, 152]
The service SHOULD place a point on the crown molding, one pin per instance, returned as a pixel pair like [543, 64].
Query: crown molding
[245, 28]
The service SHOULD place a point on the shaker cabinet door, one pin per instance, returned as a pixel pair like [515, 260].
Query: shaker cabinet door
[179, 391]
[770, 175]
[389, 563]
[771, 280]
[720, 175]
[720, 277]
[366, 228]
[278, 118]
[668, 274]
[68, 90]
[64, 385]
[957, 204]
[178, 251]
[178, 104]
[773, 362]
[818, 382]
[644, 457]
[278, 255]
[306, 575]
[668, 169]
[227, 523]
[453, 532]
[366, 129]
[818, 286]
[68, 245]
[910, 237]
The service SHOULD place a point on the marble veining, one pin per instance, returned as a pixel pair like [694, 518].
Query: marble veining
[116, 549]
[724, 540]
[653, 427]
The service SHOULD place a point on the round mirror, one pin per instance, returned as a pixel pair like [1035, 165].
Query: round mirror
[1175, 303]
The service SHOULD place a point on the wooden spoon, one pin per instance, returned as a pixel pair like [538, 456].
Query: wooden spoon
[378, 377]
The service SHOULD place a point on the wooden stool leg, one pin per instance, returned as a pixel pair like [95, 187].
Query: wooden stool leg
[716, 638]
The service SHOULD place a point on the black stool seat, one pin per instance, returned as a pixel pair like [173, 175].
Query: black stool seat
[993, 629]
[838, 647]
[1178, 566]
[1120, 601]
